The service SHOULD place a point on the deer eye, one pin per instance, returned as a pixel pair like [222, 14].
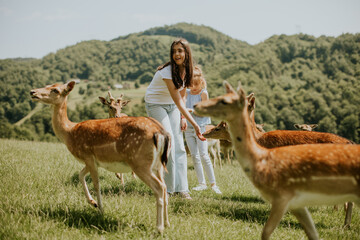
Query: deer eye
[55, 91]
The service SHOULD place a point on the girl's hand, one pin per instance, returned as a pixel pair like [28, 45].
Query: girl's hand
[198, 133]
[183, 124]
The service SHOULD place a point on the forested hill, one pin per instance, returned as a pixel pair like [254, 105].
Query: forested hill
[296, 79]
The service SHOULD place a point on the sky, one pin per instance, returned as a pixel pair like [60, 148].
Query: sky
[35, 28]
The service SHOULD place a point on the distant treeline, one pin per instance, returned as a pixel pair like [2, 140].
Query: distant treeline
[296, 79]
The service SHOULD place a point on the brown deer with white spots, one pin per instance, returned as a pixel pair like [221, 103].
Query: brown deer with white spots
[114, 109]
[347, 206]
[121, 144]
[289, 177]
[278, 138]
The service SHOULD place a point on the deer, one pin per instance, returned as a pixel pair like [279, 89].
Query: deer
[213, 146]
[347, 206]
[140, 144]
[114, 109]
[214, 150]
[305, 127]
[278, 138]
[220, 133]
[289, 177]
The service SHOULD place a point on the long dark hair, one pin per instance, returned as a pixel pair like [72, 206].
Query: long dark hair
[178, 82]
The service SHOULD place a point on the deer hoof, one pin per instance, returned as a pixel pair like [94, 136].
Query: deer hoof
[160, 229]
[94, 203]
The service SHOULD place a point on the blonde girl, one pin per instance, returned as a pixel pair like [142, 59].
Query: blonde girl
[199, 149]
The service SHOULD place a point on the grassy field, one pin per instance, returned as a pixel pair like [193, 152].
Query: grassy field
[41, 198]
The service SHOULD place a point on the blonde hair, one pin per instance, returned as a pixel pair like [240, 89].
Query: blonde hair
[198, 76]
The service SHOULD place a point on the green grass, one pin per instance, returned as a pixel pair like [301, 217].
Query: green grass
[41, 198]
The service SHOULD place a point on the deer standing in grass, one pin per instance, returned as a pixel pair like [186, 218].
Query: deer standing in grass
[348, 206]
[114, 109]
[278, 138]
[213, 147]
[117, 144]
[289, 177]
[220, 134]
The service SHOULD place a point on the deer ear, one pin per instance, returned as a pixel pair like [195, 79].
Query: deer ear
[102, 100]
[296, 126]
[228, 87]
[250, 96]
[124, 103]
[241, 93]
[252, 102]
[69, 87]
[313, 126]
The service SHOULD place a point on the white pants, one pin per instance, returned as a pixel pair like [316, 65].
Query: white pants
[169, 116]
[199, 153]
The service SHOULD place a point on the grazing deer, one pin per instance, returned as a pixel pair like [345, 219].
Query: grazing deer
[114, 109]
[289, 177]
[117, 144]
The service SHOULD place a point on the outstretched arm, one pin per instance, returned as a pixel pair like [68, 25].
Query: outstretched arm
[178, 100]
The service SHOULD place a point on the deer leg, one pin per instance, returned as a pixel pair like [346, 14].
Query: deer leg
[121, 177]
[160, 175]
[82, 175]
[95, 178]
[278, 209]
[159, 189]
[348, 209]
[304, 217]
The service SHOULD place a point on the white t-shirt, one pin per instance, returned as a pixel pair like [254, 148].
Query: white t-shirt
[157, 92]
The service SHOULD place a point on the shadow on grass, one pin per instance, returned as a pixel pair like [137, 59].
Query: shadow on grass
[245, 199]
[90, 220]
[261, 216]
[131, 186]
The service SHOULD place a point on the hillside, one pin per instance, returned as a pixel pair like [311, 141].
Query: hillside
[296, 79]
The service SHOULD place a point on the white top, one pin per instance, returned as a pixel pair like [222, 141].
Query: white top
[157, 92]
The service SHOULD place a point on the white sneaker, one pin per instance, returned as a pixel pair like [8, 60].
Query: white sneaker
[216, 189]
[200, 187]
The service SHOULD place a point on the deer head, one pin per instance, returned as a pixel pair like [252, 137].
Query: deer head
[114, 107]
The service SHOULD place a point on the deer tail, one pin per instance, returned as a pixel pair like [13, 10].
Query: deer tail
[163, 140]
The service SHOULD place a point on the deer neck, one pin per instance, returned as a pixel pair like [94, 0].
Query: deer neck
[61, 124]
[243, 139]
[257, 132]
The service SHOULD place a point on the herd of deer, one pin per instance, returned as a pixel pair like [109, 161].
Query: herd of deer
[291, 169]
